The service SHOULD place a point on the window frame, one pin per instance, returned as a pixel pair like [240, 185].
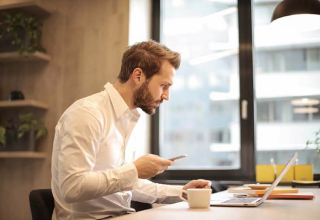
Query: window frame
[247, 126]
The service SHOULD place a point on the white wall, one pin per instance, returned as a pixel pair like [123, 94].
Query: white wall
[140, 30]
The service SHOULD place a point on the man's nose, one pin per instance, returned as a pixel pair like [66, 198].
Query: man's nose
[165, 95]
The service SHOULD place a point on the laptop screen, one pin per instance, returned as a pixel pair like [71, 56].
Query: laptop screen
[277, 180]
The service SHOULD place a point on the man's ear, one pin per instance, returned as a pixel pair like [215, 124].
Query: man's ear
[138, 76]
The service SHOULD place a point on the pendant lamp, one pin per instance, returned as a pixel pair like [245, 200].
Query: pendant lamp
[297, 15]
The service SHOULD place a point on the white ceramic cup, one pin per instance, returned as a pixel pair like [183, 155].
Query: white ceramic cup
[198, 198]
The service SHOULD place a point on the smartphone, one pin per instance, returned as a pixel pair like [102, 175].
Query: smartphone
[178, 157]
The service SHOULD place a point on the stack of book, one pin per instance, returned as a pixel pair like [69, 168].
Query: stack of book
[277, 193]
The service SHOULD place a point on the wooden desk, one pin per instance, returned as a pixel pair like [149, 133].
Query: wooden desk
[269, 210]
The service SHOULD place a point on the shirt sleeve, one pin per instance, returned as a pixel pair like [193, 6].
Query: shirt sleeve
[149, 192]
[79, 139]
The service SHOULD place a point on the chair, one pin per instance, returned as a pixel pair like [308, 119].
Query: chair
[140, 206]
[216, 186]
[41, 204]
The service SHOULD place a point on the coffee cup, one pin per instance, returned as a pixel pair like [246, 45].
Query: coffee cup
[198, 198]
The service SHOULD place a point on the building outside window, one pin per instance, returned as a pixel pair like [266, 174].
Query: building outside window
[203, 117]
[287, 71]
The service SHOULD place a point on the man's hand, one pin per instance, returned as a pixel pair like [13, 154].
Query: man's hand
[205, 184]
[198, 184]
[151, 165]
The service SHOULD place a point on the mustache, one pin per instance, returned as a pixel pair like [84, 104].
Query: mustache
[159, 101]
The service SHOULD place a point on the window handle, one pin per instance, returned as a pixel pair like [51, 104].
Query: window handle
[244, 109]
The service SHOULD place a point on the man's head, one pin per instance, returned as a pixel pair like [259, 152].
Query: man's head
[151, 67]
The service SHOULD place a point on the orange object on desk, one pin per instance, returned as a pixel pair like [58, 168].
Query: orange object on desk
[302, 195]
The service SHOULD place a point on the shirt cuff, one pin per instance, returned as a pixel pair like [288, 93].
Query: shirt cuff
[174, 191]
[128, 176]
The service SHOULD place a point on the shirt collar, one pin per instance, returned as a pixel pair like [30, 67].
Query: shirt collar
[119, 105]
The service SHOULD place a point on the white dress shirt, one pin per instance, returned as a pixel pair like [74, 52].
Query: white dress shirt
[93, 176]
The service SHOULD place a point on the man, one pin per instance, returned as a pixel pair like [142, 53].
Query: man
[90, 178]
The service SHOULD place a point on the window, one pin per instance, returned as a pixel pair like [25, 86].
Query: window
[287, 71]
[202, 118]
[207, 39]
[205, 117]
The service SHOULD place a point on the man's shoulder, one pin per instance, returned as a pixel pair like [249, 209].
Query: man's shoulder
[97, 101]
[95, 105]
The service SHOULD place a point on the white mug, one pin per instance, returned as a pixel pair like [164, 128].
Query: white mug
[198, 198]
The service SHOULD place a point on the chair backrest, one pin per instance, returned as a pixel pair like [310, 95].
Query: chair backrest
[41, 204]
[216, 186]
[140, 206]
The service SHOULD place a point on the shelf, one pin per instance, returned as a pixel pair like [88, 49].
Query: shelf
[15, 56]
[31, 7]
[23, 103]
[22, 154]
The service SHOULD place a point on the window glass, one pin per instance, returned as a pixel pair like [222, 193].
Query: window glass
[202, 117]
[287, 76]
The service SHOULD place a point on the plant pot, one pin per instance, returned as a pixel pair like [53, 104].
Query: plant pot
[6, 45]
[26, 143]
[2, 148]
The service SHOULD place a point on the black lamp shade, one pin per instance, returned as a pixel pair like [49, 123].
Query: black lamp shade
[294, 7]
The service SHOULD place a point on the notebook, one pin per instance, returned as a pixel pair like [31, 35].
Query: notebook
[253, 201]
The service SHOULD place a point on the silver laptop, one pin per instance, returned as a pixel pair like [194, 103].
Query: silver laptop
[252, 201]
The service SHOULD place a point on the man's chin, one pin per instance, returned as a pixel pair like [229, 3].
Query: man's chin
[149, 111]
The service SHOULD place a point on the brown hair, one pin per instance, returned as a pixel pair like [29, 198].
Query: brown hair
[148, 56]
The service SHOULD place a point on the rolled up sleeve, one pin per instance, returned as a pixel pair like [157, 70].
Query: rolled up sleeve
[149, 192]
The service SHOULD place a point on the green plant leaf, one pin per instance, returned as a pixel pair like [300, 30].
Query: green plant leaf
[13, 25]
[23, 129]
[27, 117]
[2, 135]
[33, 121]
[7, 16]
[308, 143]
[20, 135]
[3, 140]
[19, 41]
[316, 142]
[42, 49]
[41, 132]
[31, 20]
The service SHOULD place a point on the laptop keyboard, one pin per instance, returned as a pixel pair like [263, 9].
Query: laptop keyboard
[240, 200]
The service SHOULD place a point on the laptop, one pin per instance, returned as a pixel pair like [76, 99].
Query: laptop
[252, 201]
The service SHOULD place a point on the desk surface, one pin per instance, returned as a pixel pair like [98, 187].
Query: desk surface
[270, 209]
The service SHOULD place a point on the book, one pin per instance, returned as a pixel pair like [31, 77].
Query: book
[252, 191]
[302, 195]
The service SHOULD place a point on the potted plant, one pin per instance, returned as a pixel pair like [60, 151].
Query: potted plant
[24, 136]
[20, 32]
[316, 142]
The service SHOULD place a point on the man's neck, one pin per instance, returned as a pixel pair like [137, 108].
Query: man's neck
[126, 92]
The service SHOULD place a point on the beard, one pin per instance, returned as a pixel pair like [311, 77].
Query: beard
[143, 99]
